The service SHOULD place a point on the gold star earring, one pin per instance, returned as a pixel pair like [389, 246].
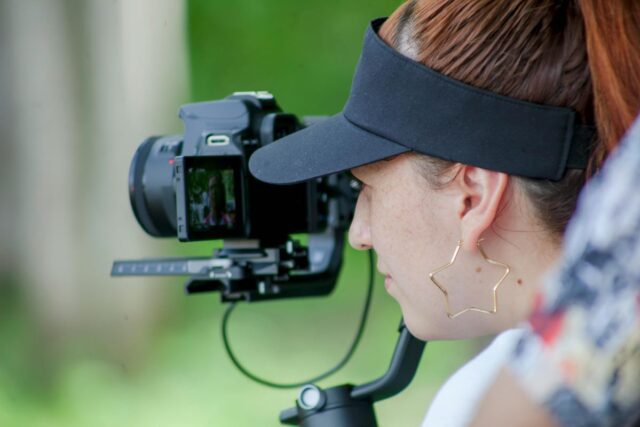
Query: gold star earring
[446, 294]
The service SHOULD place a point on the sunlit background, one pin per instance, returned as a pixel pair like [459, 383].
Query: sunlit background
[82, 83]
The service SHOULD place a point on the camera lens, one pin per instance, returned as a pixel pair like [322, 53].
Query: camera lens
[151, 191]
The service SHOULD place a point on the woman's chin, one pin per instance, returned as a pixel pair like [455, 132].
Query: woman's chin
[390, 286]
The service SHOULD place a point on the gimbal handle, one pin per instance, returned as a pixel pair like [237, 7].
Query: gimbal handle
[348, 406]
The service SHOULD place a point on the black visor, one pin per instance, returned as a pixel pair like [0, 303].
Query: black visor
[398, 105]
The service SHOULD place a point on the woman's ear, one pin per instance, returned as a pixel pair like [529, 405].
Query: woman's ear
[480, 195]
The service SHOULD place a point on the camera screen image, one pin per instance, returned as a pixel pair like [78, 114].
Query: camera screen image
[212, 194]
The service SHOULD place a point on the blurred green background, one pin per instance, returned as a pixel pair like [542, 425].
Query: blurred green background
[81, 84]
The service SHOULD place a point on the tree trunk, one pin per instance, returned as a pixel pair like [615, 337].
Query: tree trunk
[83, 83]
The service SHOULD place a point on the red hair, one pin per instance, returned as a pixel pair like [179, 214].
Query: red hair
[580, 54]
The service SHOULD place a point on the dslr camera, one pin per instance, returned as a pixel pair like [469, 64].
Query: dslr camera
[197, 186]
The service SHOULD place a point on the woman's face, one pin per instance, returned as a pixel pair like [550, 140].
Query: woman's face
[414, 229]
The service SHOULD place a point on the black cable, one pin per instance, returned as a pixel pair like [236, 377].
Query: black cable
[345, 359]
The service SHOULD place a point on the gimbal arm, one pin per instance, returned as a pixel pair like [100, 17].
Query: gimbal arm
[349, 406]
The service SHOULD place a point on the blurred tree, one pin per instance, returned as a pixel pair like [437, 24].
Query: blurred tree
[85, 82]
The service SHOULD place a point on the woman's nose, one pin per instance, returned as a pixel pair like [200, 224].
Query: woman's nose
[359, 232]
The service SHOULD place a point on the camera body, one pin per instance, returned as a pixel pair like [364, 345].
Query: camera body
[197, 186]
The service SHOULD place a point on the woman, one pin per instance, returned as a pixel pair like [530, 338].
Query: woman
[472, 138]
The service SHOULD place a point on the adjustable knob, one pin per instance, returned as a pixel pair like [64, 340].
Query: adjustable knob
[311, 397]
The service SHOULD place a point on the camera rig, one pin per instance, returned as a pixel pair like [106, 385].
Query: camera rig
[247, 271]
[196, 186]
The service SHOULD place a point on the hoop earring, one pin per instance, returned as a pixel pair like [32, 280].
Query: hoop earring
[446, 294]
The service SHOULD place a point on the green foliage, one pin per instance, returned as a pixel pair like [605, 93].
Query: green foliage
[304, 52]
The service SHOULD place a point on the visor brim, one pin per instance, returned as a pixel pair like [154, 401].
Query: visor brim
[331, 146]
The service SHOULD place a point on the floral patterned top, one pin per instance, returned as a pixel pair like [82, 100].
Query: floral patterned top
[580, 358]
